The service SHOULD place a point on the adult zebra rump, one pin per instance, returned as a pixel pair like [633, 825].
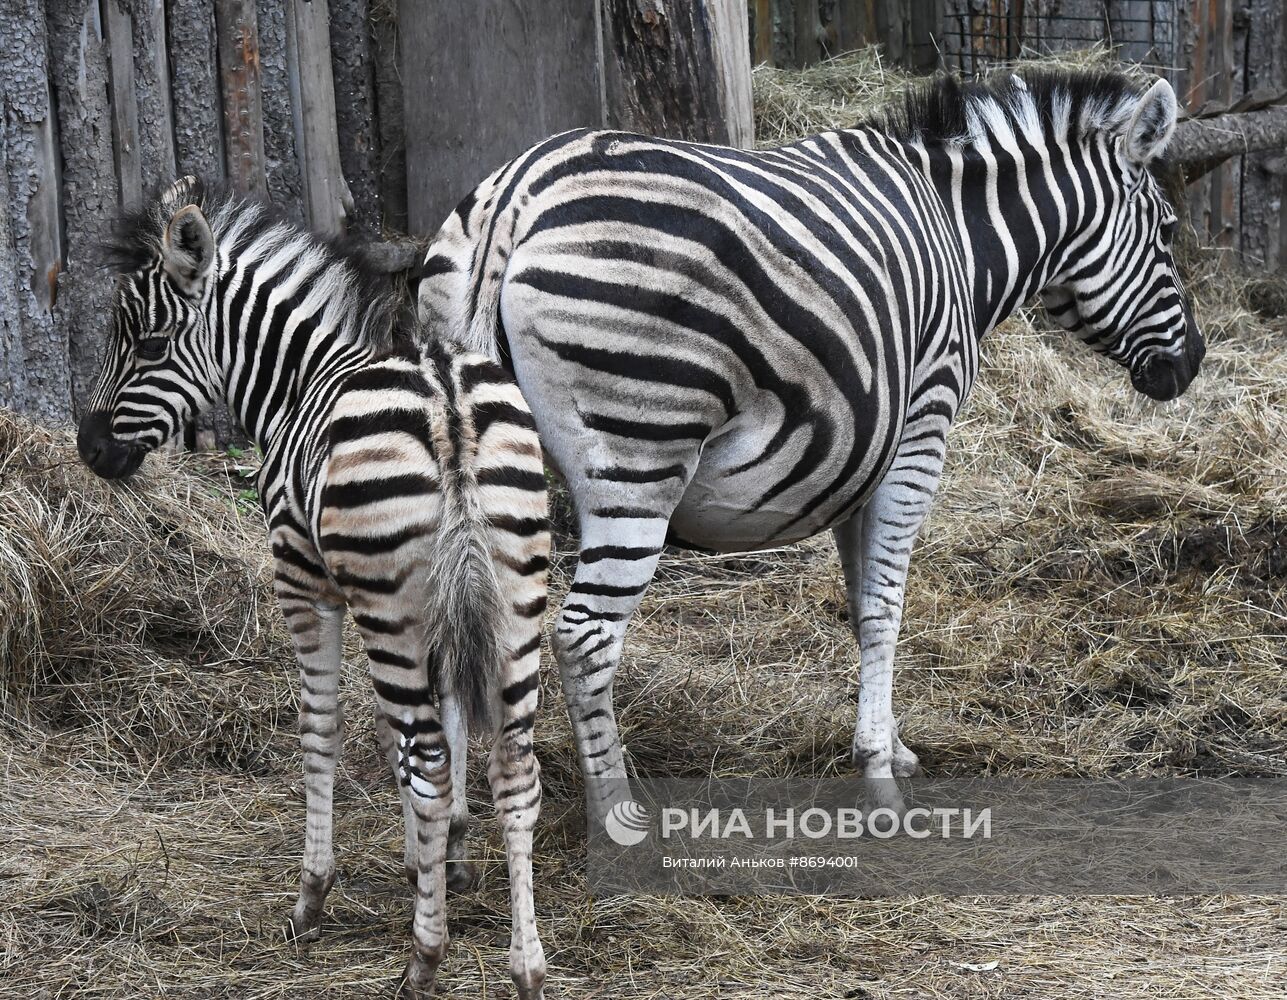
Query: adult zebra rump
[731, 349]
[401, 482]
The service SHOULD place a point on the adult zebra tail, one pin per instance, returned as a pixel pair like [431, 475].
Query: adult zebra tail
[464, 270]
[466, 613]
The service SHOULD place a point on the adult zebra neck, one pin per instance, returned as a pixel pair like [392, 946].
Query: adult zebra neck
[1018, 210]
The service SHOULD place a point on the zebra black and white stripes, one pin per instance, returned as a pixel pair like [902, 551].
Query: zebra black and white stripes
[402, 482]
[731, 349]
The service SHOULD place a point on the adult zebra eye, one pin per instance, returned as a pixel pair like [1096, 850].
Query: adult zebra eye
[152, 348]
[1168, 232]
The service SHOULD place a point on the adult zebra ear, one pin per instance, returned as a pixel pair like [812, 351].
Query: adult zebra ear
[1152, 123]
[188, 250]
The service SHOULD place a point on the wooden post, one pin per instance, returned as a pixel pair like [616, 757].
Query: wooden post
[36, 376]
[280, 106]
[731, 53]
[390, 119]
[356, 111]
[763, 31]
[807, 27]
[237, 27]
[152, 87]
[481, 82]
[678, 69]
[119, 29]
[326, 195]
[79, 76]
[194, 89]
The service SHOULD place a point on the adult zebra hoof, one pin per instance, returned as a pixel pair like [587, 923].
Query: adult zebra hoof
[462, 876]
[905, 763]
[884, 799]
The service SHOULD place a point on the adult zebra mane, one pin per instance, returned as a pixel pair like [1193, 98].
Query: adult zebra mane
[134, 242]
[1063, 104]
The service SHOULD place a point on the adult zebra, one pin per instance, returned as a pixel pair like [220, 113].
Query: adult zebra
[730, 349]
[401, 481]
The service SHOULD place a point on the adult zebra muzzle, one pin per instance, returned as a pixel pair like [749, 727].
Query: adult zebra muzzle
[106, 455]
[1164, 377]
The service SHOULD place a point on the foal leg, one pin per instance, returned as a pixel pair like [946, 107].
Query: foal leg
[462, 875]
[387, 736]
[515, 778]
[315, 630]
[400, 675]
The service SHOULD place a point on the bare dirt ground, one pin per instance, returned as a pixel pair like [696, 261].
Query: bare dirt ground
[1101, 591]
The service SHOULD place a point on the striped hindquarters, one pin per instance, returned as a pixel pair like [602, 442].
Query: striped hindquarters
[432, 516]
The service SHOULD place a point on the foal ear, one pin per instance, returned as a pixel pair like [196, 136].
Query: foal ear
[1152, 123]
[188, 250]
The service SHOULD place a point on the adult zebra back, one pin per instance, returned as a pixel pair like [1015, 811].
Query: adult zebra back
[403, 482]
[733, 349]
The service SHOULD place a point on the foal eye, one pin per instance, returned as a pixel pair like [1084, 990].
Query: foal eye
[152, 348]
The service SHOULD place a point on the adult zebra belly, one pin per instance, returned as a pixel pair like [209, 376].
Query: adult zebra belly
[748, 493]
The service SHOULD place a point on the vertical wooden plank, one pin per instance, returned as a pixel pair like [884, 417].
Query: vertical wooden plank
[152, 87]
[891, 30]
[807, 28]
[924, 18]
[390, 119]
[483, 81]
[316, 138]
[37, 376]
[1219, 49]
[79, 76]
[119, 29]
[353, 69]
[194, 89]
[855, 27]
[237, 29]
[730, 49]
[763, 31]
[282, 161]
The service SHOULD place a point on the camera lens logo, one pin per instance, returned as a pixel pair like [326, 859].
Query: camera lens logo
[627, 823]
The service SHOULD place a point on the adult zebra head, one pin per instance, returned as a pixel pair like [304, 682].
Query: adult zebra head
[1051, 179]
[158, 370]
[1114, 284]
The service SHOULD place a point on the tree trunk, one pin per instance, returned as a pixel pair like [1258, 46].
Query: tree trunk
[194, 88]
[678, 68]
[353, 71]
[281, 161]
[35, 372]
[78, 64]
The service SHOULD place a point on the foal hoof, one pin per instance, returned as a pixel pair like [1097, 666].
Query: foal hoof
[300, 930]
[530, 987]
[417, 979]
[462, 876]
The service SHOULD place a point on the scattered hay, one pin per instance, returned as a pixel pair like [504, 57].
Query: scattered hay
[1100, 590]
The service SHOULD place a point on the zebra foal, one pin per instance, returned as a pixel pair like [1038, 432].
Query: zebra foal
[402, 483]
[728, 349]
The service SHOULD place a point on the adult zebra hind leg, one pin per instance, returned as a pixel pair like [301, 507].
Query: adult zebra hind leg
[875, 547]
[620, 547]
[315, 630]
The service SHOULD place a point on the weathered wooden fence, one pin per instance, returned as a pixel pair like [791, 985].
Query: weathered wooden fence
[376, 116]
[1217, 53]
[368, 116]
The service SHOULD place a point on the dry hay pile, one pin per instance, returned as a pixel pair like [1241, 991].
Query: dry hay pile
[1100, 590]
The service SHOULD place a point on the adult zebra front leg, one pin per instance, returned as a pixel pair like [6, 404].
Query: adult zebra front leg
[875, 547]
[620, 547]
[315, 629]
